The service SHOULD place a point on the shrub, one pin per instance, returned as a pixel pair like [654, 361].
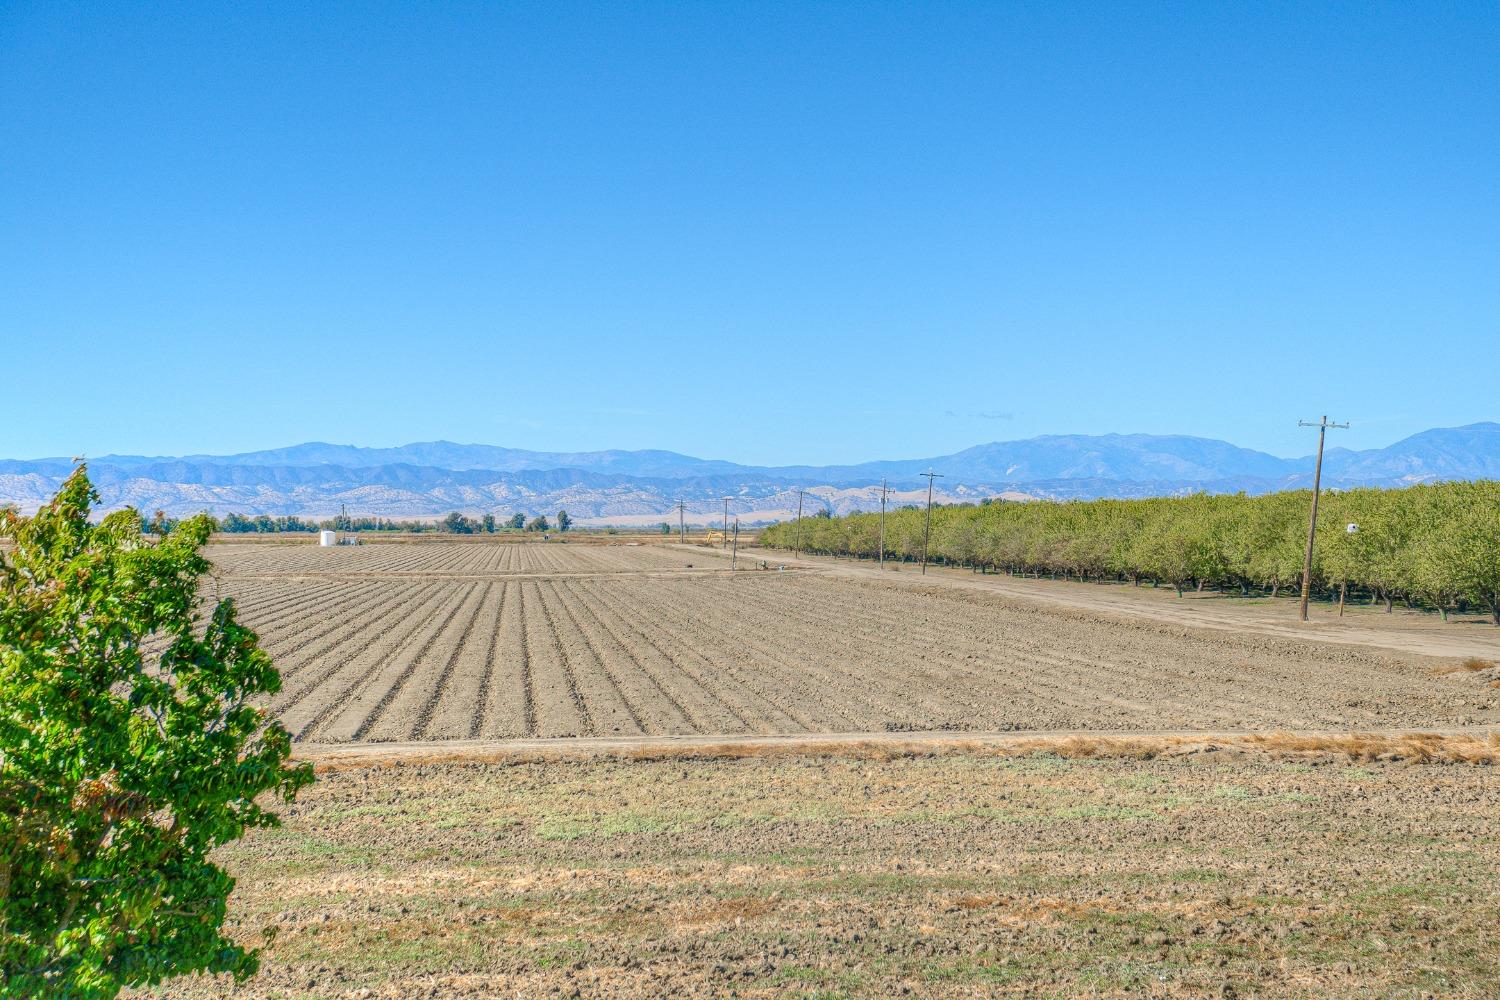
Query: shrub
[131, 746]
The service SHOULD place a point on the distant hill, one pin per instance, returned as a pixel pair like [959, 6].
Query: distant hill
[1122, 457]
[458, 457]
[1470, 452]
[431, 478]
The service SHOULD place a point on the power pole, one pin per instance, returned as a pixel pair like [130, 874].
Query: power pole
[800, 494]
[734, 556]
[726, 523]
[927, 527]
[681, 529]
[1312, 521]
[883, 492]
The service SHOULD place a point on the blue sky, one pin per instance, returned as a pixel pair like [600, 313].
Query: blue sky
[770, 233]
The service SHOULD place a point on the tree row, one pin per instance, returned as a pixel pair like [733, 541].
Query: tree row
[1435, 546]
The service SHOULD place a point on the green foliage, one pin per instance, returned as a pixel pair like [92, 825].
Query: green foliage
[538, 523]
[517, 521]
[457, 524]
[236, 524]
[1437, 544]
[1468, 547]
[564, 522]
[131, 746]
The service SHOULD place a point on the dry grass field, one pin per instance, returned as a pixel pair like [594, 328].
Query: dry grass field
[1211, 874]
[450, 640]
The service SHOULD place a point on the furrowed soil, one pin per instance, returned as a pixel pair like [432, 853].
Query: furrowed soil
[1211, 874]
[447, 640]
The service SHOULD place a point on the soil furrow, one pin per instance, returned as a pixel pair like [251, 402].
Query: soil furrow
[304, 716]
[560, 710]
[333, 645]
[503, 705]
[398, 693]
[610, 708]
[714, 627]
[460, 689]
[1054, 674]
[654, 686]
[707, 709]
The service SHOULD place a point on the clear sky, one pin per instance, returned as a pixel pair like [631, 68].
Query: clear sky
[771, 233]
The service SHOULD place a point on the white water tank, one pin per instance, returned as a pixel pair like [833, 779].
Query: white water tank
[328, 539]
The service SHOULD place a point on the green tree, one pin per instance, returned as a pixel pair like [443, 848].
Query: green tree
[1438, 544]
[489, 524]
[456, 524]
[666, 529]
[1440, 551]
[517, 521]
[1471, 544]
[1168, 548]
[130, 747]
[538, 523]
[564, 522]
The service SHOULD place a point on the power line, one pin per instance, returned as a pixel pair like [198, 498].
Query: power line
[1312, 522]
[927, 527]
[681, 529]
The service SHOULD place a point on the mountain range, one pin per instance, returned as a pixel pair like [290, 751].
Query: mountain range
[431, 478]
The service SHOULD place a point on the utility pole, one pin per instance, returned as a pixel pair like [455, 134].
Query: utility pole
[1312, 521]
[734, 555]
[927, 527]
[800, 494]
[681, 530]
[883, 492]
[726, 523]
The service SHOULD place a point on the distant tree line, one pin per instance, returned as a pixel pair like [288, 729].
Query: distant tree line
[262, 523]
[1435, 546]
[454, 523]
[457, 524]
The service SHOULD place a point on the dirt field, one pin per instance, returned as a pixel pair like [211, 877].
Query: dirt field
[1405, 631]
[1208, 875]
[460, 641]
[589, 770]
[443, 559]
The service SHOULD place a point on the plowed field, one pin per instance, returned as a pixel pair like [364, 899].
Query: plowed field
[455, 641]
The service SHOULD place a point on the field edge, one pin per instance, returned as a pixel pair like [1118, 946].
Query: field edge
[1477, 746]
